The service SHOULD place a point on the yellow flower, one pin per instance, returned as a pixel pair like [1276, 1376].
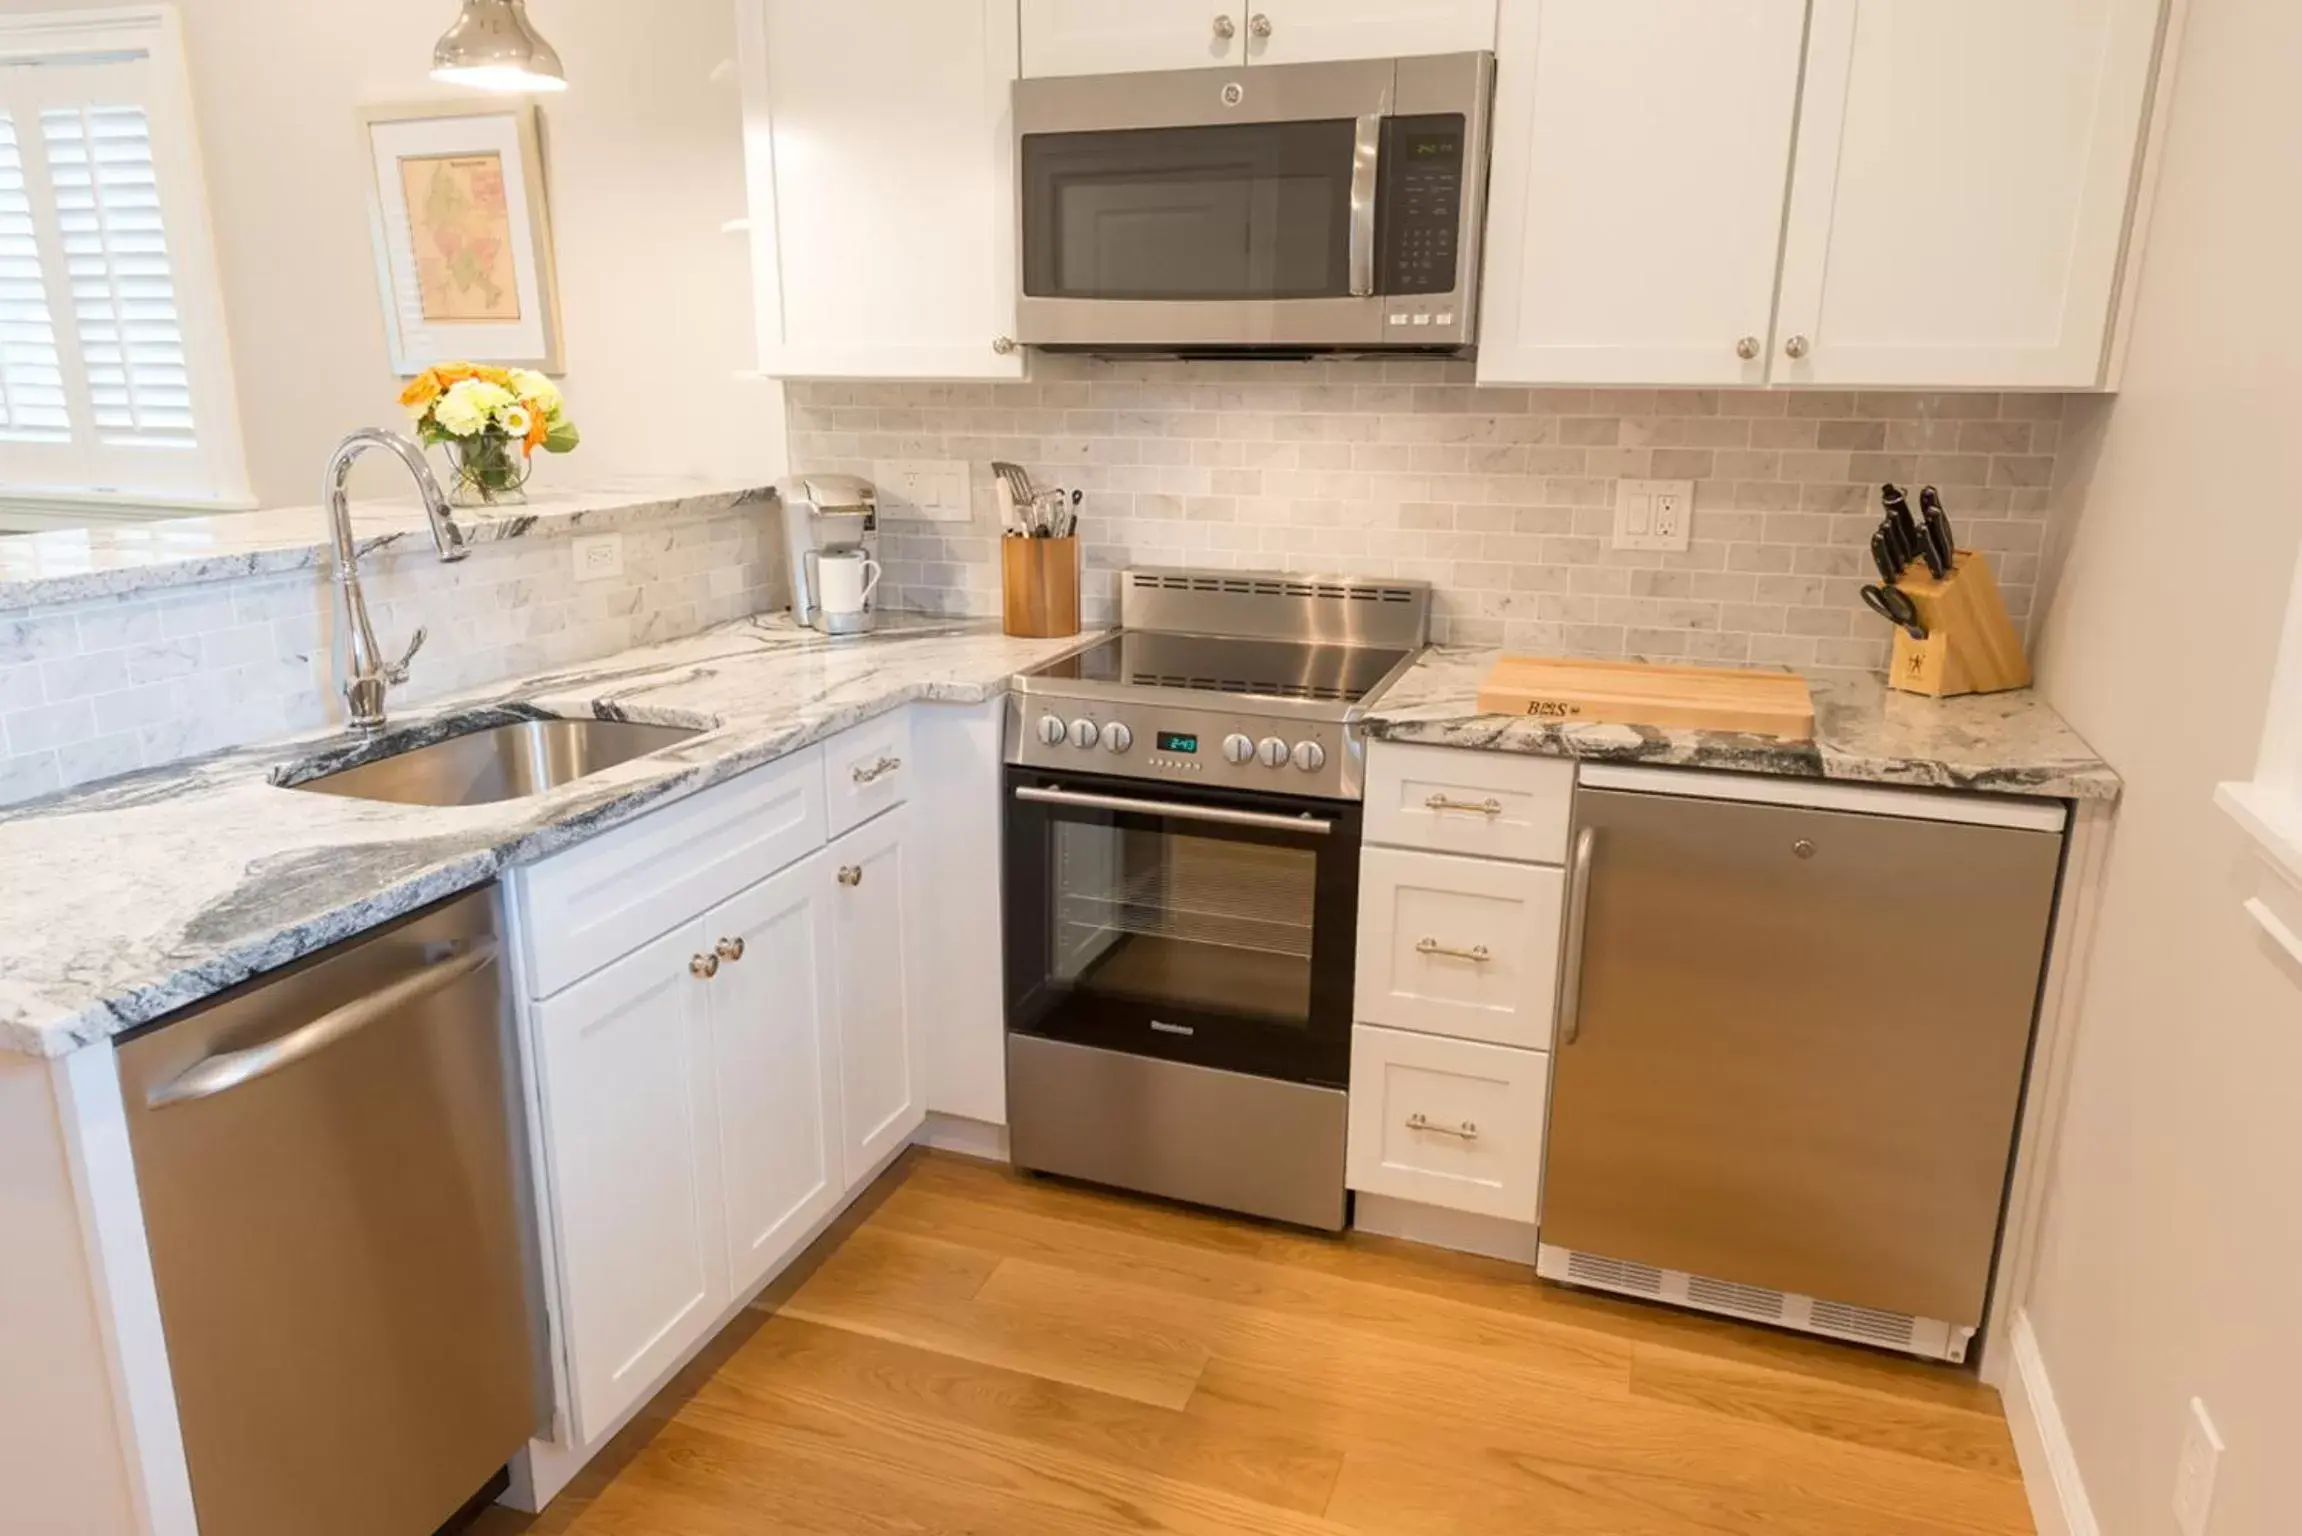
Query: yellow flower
[540, 393]
[467, 406]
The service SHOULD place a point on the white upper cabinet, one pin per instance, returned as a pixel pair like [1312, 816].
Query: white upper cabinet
[879, 150]
[1959, 205]
[1308, 31]
[1108, 37]
[1636, 197]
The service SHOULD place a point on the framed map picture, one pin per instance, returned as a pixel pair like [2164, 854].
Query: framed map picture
[463, 235]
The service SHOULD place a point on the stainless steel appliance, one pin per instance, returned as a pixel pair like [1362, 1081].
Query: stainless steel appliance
[1290, 207]
[823, 515]
[1182, 878]
[1790, 1051]
[329, 1167]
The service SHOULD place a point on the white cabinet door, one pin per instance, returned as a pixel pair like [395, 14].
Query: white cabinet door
[883, 1098]
[631, 1137]
[1447, 1122]
[956, 946]
[1636, 197]
[1960, 200]
[1306, 31]
[771, 1007]
[879, 152]
[1461, 947]
[1106, 37]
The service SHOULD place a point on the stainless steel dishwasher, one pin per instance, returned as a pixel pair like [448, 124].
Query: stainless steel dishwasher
[329, 1170]
[1791, 1048]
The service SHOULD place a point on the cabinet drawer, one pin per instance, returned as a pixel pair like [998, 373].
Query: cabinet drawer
[1461, 947]
[1447, 1122]
[605, 898]
[1496, 805]
[868, 770]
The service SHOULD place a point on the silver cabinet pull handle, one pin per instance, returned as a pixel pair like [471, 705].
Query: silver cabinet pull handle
[1578, 918]
[1226, 28]
[704, 967]
[1795, 348]
[1034, 795]
[1465, 1130]
[216, 1074]
[1489, 807]
[1259, 24]
[851, 874]
[1477, 954]
[876, 771]
[1366, 158]
[1747, 348]
[1003, 345]
[730, 950]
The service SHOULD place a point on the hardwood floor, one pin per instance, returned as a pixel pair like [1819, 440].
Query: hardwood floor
[984, 1352]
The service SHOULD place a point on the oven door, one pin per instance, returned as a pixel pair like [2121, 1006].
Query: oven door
[1199, 926]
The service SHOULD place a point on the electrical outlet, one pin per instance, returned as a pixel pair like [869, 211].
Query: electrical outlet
[2194, 1476]
[599, 557]
[1653, 514]
[935, 490]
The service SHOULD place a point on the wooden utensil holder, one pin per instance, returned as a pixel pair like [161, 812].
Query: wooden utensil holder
[1039, 585]
[1970, 645]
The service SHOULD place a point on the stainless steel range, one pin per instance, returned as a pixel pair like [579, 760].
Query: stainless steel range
[1182, 868]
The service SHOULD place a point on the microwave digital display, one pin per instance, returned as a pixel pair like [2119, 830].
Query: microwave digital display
[1177, 741]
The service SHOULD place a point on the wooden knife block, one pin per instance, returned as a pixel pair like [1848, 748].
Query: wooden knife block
[1970, 644]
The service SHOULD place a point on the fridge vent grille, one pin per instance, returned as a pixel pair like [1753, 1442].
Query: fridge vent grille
[1264, 586]
[1865, 1323]
[1726, 1296]
[1615, 1274]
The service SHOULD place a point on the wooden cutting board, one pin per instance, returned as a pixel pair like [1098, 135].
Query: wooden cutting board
[1647, 693]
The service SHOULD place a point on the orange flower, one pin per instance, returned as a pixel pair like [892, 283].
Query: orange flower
[423, 390]
[538, 429]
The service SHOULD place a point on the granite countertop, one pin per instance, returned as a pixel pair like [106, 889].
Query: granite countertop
[130, 899]
[69, 565]
[1864, 732]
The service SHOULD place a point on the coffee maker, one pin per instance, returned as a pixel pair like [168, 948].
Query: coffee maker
[827, 515]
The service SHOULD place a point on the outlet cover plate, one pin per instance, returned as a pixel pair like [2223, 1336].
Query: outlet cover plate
[599, 557]
[2194, 1474]
[932, 490]
[1653, 514]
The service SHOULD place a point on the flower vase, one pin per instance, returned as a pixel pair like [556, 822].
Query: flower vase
[487, 470]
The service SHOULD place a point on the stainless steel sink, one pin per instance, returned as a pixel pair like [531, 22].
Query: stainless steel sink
[504, 762]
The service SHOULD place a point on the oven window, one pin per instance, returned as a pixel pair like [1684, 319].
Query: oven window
[1256, 211]
[1206, 924]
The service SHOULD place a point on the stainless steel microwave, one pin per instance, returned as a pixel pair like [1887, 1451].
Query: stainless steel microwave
[1291, 207]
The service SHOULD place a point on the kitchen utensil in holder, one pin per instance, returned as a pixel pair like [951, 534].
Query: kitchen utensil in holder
[1039, 579]
[1970, 645]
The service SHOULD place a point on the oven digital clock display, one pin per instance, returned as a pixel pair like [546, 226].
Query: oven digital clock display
[1177, 741]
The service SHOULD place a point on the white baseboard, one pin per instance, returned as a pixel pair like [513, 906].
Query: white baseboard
[1464, 1232]
[969, 1138]
[2058, 1502]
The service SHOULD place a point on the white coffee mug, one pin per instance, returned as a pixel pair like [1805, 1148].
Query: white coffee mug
[848, 578]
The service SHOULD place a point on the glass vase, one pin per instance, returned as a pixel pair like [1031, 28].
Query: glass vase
[488, 470]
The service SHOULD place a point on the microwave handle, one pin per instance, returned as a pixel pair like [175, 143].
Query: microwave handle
[1366, 160]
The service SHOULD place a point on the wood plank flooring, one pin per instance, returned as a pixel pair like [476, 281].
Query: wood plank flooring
[978, 1351]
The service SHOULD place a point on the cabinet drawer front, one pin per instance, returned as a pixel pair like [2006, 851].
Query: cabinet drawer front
[1447, 1122]
[607, 897]
[1460, 947]
[868, 770]
[1496, 805]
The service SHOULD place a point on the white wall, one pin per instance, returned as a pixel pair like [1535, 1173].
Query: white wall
[2173, 1249]
[645, 157]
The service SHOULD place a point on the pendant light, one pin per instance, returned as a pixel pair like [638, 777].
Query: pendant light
[494, 46]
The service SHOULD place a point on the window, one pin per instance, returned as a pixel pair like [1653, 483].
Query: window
[115, 377]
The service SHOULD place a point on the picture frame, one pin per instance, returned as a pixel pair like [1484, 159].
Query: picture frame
[462, 231]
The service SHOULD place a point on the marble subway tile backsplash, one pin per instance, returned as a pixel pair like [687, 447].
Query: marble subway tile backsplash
[1503, 499]
[97, 688]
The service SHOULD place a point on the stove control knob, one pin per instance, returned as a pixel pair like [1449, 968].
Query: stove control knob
[1052, 730]
[1310, 756]
[1117, 738]
[1083, 733]
[1272, 751]
[1238, 749]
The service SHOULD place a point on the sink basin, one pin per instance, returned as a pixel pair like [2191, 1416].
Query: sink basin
[504, 762]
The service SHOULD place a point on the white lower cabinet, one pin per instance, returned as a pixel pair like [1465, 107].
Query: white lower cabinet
[883, 1096]
[1462, 947]
[1452, 1123]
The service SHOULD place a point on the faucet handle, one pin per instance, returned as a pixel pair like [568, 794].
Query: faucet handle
[396, 672]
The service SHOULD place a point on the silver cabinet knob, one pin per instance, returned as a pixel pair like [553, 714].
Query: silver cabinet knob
[1002, 345]
[1310, 756]
[1259, 25]
[851, 874]
[1797, 347]
[1237, 748]
[1052, 730]
[1117, 738]
[1747, 348]
[730, 950]
[703, 966]
[1272, 751]
[1226, 28]
[1083, 733]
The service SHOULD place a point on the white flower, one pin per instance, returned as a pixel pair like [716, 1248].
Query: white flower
[468, 405]
[539, 392]
[514, 419]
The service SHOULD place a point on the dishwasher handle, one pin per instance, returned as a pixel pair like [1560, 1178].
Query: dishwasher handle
[1578, 920]
[212, 1075]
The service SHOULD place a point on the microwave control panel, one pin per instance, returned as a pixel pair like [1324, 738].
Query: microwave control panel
[1421, 205]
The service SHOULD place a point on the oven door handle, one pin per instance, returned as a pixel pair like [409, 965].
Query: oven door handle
[1082, 800]
[1366, 158]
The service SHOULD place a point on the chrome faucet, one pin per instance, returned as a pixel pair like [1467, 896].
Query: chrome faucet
[370, 676]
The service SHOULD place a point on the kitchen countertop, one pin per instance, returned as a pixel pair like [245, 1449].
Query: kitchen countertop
[130, 899]
[1989, 743]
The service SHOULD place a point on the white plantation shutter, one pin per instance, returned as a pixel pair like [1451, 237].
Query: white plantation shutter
[115, 380]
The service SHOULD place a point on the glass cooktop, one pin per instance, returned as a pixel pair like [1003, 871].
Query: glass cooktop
[1279, 669]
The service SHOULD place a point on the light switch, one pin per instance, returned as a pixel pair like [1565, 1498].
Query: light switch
[1653, 514]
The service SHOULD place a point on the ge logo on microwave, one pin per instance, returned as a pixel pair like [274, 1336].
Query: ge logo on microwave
[1233, 93]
